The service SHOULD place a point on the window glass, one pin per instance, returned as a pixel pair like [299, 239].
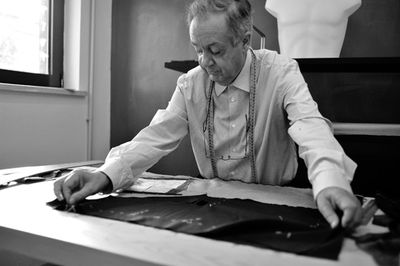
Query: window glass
[24, 35]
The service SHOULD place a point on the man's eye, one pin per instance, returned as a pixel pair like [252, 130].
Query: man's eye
[215, 52]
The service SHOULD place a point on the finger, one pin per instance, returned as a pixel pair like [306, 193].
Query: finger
[327, 210]
[57, 188]
[81, 194]
[351, 217]
[350, 208]
[359, 216]
[71, 184]
[348, 218]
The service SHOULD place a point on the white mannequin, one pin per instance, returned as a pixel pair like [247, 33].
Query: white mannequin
[311, 28]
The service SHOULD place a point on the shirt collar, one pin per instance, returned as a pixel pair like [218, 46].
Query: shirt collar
[241, 81]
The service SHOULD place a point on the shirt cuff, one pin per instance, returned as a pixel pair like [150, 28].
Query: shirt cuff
[119, 175]
[329, 178]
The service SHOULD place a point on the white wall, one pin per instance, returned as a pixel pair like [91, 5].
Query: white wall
[41, 128]
[100, 86]
[49, 125]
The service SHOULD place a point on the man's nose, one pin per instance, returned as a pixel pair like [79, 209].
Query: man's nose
[206, 60]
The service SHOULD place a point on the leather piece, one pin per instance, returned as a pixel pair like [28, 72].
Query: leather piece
[291, 229]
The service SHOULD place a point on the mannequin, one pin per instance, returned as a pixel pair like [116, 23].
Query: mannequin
[311, 28]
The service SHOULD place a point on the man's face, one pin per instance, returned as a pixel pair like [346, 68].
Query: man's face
[216, 52]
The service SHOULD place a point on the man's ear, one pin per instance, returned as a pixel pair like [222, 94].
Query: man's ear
[247, 40]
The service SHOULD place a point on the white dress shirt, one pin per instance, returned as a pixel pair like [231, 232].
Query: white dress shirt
[285, 114]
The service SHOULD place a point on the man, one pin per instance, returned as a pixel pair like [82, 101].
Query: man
[242, 109]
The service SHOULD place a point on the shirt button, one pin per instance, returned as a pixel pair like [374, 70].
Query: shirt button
[233, 125]
[234, 150]
[233, 99]
[232, 173]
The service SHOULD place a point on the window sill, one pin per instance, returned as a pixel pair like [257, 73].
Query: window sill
[41, 90]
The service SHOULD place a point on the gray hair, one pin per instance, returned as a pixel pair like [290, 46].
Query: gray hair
[238, 14]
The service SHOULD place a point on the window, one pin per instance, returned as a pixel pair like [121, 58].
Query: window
[31, 42]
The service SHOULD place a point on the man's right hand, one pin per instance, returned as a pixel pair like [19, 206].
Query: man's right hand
[79, 184]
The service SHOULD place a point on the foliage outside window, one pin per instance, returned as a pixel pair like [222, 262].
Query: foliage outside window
[31, 42]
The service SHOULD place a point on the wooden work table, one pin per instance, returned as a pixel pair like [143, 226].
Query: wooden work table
[29, 227]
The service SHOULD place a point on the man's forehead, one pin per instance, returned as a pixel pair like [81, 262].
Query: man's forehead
[210, 22]
[212, 29]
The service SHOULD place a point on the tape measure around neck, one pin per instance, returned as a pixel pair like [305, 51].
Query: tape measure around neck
[210, 121]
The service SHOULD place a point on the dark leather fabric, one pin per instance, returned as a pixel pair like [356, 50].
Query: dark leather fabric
[283, 228]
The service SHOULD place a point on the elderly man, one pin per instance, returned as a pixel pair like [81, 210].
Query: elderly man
[244, 111]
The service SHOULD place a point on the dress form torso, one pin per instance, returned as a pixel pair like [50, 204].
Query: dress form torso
[311, 28]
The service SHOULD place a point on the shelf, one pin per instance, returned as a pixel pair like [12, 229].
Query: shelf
[356, 64]
[181, 66]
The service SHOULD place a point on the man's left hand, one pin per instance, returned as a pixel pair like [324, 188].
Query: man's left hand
[331, 199]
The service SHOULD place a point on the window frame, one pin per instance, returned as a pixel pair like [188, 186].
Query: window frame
[56, 50]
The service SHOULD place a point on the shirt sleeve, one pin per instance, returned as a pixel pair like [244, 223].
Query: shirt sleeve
[327, 164]
[168, 127]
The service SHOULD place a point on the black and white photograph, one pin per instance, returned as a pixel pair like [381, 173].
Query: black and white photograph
[200, 132]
